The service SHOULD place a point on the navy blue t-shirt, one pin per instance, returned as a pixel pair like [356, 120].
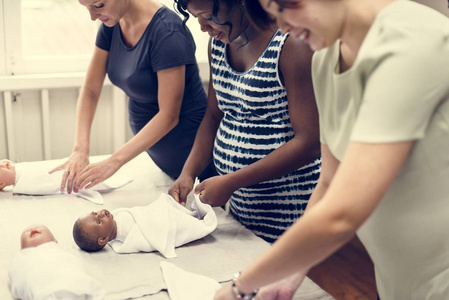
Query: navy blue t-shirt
[164, 44]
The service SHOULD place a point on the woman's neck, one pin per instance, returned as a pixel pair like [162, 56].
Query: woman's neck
[140, 11]
[136, 20]
[244, 54]
[361, 14]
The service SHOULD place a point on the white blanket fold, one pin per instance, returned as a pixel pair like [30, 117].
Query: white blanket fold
[183, 285]
[33, 180]
[48, 272]
[165, 224]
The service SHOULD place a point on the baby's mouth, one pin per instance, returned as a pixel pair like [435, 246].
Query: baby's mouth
[33, 233]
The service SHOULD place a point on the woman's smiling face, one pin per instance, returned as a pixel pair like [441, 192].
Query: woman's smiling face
[314, 21]
[202, 10]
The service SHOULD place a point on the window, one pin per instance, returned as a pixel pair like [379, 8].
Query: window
[52, 36]
[43, 36]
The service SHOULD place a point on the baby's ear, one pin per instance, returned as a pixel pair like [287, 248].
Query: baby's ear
[103, 240]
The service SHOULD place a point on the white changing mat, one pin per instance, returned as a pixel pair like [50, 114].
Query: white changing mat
[219, 255]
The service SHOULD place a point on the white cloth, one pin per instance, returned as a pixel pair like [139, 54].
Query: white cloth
[183, 285]
[48, 272]
[164, 225]
[31, 179]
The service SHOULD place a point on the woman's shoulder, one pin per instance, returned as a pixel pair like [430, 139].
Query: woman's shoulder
[295, 54]
[410, 14]
[166, 23]
[406, 24]
[168, 19]
[296, 47]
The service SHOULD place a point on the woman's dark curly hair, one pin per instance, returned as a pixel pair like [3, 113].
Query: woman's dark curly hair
[181, 7]
[257, 15]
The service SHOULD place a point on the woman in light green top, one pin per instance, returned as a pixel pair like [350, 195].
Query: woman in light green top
[381, 79]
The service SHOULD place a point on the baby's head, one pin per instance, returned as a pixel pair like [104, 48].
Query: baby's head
[7, 173]
[93, 231]
[36, 235]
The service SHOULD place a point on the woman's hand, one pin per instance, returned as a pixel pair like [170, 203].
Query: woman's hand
[96, 173]
[216, 190]
[76, 162]
[181, 188]
[283, 289]
[225, 293]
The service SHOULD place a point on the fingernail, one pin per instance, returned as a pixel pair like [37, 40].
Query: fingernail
[62, 187]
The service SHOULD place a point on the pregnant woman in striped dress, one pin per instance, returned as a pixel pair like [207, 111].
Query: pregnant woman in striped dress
[260, 127]
[265, 144]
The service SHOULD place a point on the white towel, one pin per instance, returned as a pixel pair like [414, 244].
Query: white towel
[165, 224]
[32, 179]
[48, 272]
[183, 285]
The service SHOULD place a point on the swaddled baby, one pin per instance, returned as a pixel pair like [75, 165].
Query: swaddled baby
[31, 179]
[160, 226]
[42, 270]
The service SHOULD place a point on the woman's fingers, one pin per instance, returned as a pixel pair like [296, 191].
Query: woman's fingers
[69, 177]
[65, 176]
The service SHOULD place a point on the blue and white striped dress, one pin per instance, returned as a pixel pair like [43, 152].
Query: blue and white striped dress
[255, 123]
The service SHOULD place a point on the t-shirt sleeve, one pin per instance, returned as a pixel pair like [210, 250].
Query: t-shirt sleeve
[172, 47]
[403, 81]
[104, 37]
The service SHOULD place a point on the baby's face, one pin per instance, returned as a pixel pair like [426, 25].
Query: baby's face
[100, 223]
[7, 173]
[36, 235]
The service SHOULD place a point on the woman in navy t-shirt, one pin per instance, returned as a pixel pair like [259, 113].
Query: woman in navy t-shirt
[147, 52]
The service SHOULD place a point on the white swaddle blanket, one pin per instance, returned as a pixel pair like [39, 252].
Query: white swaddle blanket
[31, 179]
[165, 224]
[183, 285]
[48, 272]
